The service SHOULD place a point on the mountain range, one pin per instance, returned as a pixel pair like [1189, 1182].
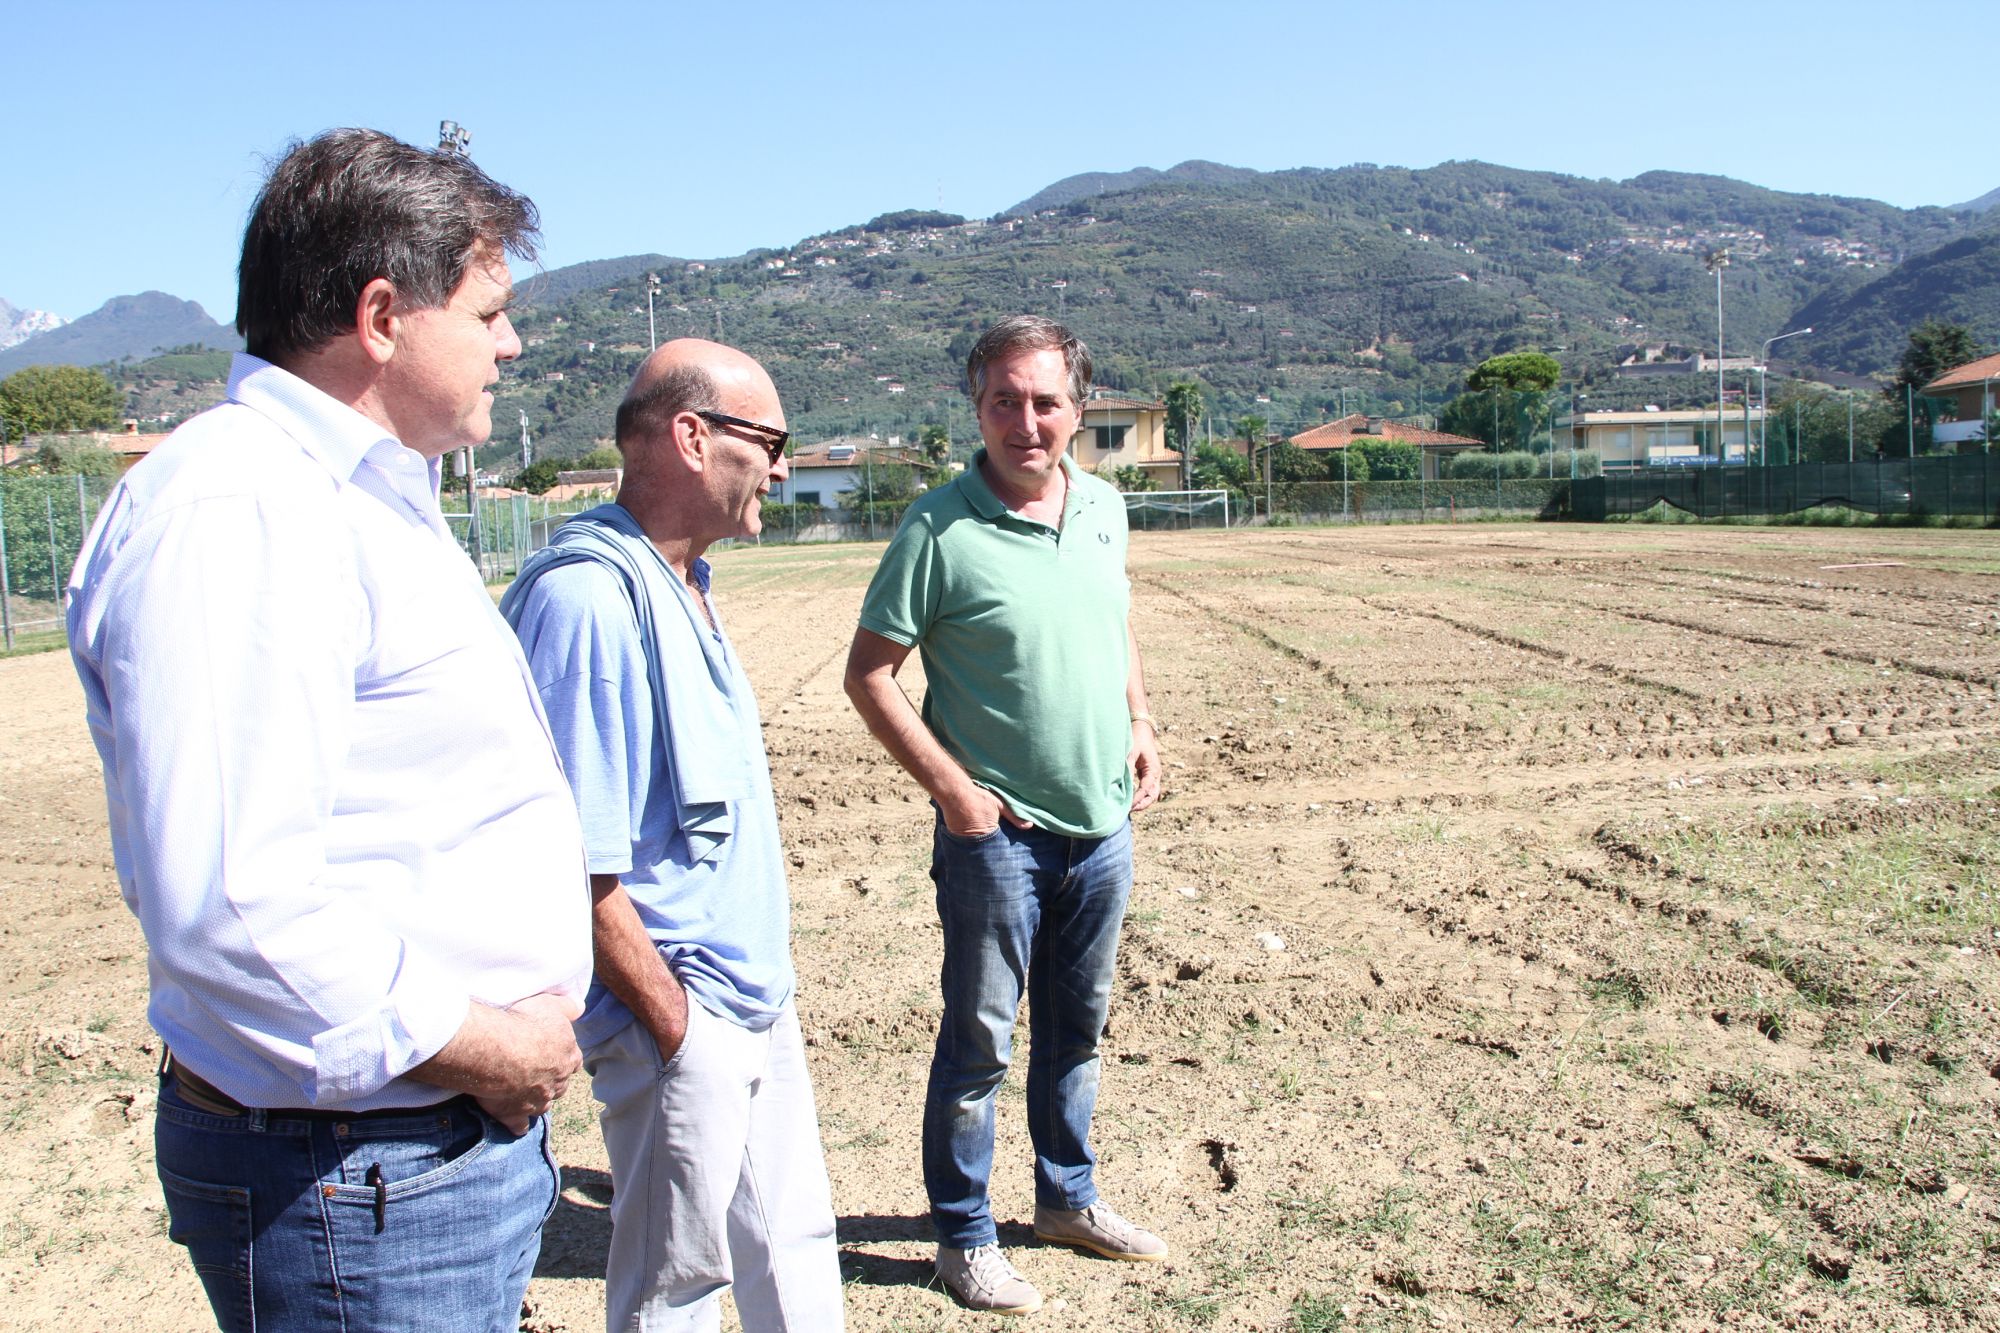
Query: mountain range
[1289, 295]
[124, 327]
[17, 326]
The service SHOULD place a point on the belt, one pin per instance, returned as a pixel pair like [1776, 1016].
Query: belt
[203, 1095]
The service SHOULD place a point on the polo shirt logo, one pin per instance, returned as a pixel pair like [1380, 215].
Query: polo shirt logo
[1104, 537]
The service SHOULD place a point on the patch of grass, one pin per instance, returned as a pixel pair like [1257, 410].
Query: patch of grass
[1618, 987]
[1313, 1313]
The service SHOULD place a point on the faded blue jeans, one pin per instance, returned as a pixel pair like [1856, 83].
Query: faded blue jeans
[288, 1229]
[1021, 908]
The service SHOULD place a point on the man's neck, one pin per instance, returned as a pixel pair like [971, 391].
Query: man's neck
[659, 519]
[1037, 504]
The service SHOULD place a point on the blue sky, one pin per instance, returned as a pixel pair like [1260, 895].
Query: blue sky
[136, 133]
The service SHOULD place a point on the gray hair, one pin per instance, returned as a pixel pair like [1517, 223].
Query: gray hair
[351, 206]
[1029, 333]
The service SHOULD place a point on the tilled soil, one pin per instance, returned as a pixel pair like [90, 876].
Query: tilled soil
[1543, 927]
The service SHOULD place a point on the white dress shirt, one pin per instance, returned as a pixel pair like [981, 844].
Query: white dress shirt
[335, 807]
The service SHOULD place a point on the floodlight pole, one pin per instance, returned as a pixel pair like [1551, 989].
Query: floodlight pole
[1763, 369]
[1717, 262]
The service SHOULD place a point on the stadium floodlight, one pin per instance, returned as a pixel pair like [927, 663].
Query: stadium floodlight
[1717, 261]
[1763, 358]
[454, 139]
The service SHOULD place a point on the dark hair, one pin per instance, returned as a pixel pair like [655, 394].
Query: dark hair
[1029, 333]
[645, 412]
[352, 206]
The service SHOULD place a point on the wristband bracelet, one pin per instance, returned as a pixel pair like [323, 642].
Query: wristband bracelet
[1147, 718]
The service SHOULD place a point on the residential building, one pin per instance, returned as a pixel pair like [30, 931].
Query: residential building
[1653, 438]
[1121, 431]
[821, 473]
[1974, 389]
[1435, 445]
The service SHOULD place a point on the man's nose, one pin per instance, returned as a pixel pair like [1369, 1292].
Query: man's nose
[506, 342]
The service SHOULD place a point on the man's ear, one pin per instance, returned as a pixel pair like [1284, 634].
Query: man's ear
[376, 323]
[690, 440]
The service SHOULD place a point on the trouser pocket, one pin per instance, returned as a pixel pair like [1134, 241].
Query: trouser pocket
[212, 1222]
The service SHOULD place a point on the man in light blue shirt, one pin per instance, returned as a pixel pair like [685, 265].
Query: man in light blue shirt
[334, 805]
[690, 1034]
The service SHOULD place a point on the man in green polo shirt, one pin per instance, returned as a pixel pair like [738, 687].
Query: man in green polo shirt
[1036, 746]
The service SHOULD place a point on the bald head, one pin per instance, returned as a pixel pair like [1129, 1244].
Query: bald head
[691, 375]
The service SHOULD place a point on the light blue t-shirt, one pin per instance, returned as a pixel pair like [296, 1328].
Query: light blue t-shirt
[720, 915]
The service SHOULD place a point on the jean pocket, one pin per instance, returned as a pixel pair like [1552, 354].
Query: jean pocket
[214, 1224]
[408, 1154]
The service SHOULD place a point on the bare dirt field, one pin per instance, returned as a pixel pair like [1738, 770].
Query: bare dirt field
[1543, 927]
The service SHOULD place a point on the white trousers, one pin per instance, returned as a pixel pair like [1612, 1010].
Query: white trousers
[717, 1181]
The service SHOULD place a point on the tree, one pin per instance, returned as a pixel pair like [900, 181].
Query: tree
[1289, 463]
[43, 399]
[1935, 347]
[881, 483]
[1515, 371]
[1217, 468]
[1252, 429]
[538, 478]
[1129, 479]
[1183, 414]
[1390, 460]
[69, 458]
[935, 442]
[601, 459]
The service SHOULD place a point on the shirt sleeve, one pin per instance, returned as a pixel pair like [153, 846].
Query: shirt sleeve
[903, 597]
[228, 634]
[582, 643]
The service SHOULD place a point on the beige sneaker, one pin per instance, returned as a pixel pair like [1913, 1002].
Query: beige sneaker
[1098, 1228]
[982, 1278]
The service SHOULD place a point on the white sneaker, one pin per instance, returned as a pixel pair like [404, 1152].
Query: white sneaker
[982, 1278]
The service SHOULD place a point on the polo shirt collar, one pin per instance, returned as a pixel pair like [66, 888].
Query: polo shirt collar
[990, 506]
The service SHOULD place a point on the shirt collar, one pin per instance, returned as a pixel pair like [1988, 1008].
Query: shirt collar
[331, 433]
[987, 505]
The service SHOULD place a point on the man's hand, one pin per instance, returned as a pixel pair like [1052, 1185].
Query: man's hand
[1144, 757]
[514, 1062]
[975, 812]
[546, 1057]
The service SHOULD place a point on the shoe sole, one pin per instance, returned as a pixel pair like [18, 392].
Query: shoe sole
[987, 1309]
[1123, 1256]
[991, 1309]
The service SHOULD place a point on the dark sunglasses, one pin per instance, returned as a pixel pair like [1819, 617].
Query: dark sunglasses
[773, 439]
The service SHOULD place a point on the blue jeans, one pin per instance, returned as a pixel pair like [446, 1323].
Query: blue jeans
[288, 1229]
[1020, 906]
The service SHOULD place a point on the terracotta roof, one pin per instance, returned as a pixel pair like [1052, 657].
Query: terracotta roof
[1972, 372]
[1119, 402]
[1339, 434]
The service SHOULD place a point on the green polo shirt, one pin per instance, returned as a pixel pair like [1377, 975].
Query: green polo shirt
[1021, 630]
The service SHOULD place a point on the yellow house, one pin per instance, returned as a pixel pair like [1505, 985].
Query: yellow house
[1118, 431]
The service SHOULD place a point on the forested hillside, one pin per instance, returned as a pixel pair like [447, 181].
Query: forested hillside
[1290, 287]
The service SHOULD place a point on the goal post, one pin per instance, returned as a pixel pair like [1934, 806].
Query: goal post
[1148, 511]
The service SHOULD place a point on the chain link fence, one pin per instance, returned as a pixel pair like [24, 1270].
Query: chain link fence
[43, 521]
[1961, 486]
[1463, 500]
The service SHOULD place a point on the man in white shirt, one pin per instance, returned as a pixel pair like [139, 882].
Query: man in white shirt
[334, 803]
